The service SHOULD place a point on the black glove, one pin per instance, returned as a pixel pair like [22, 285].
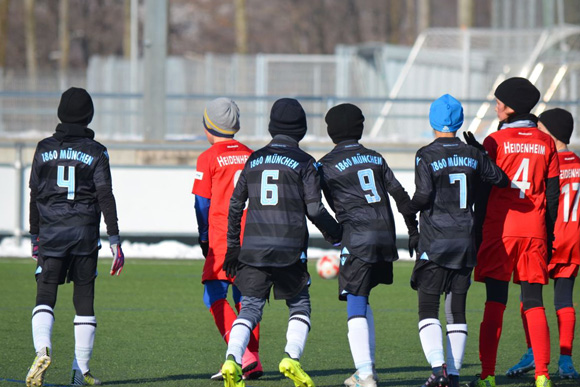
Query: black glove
[204, 247]
[231, 261]
[413, 242]
[470, 140]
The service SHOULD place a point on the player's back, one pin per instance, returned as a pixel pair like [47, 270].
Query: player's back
[356, 181]
[66, 174]
[528, 157]
[567, 227]
[450, 172]
[281, 179]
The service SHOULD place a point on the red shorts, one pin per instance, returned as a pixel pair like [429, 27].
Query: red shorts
[562, 270]
[524, 257]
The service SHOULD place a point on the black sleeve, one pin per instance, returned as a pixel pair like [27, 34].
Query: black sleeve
[108, 206]
[423, 187]
[403, 201]
[480, 210]
[34, 216]
[491, 173]
[325, 189]
[552, 201]
[236, 211]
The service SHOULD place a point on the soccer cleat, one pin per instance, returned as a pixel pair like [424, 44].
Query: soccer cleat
[439, 380]
[543, 381]
[292, 370]
[453, 380]
[525, 364]
[566, 368]
[487, 382]
[217, 376]
[254, 373]
[86, 379]
[232, 374]
[35, 376]
[356, 381]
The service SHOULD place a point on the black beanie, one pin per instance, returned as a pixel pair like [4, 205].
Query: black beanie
[76, 107]
[518, 93]
[345, 122]
[287, 117]
[559, 123]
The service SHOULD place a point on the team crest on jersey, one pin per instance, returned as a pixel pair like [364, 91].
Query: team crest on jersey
[198, 175]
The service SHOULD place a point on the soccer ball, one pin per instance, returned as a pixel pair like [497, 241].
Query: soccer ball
[327, 266]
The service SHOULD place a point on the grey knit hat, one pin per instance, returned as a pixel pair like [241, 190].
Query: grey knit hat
[221, 117]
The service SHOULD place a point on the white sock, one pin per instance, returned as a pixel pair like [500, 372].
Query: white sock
[358, 339]
[85, 327]
[431, 337]
[371, 324]
[298, 327]
[42, 321]
[239, 339]
[456, 339]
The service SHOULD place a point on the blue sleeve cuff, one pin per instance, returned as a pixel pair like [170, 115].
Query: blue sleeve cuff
[202, 216]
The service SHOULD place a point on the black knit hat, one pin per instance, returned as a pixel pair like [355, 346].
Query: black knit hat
[345, 122]
[519, 94]
[76, 107]
[559, 123]
[287, 117]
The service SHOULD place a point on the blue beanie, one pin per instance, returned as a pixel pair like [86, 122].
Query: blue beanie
[446, 114]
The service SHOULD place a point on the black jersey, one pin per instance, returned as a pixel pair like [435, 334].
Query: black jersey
[356, 182]
[67, 171]
[282, 187]
[448, 173]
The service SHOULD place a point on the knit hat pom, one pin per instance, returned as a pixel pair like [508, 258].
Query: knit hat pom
[446, 114]
[344, 122]
[221, 117]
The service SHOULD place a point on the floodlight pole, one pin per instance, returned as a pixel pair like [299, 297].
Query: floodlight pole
[155, 54]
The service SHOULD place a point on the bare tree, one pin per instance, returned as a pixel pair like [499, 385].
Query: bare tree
[241, 27]
[4, 6]
[30, 34]
[64, 37]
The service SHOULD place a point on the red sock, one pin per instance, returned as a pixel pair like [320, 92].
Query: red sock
[540, 338]
[224, 316]
[489, 334]
[566, 324]
[254, 344]
[525, 323]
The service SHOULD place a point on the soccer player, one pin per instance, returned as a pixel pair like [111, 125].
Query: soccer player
[216, 175]
[356, 182]
[518, 226]
[70, 185]
[447, 176]
[563, 267]
[282, 187]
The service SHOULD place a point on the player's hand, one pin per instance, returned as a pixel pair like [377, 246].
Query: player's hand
[413, 242]
[118, 256]
[34, 245]
[231, 261]
[204, 247]
[470, 140]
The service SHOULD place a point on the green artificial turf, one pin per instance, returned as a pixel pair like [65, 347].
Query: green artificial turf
[154, 330]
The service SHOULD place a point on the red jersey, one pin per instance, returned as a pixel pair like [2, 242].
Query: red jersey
[217, 172]
[528, 157]
[567, 228]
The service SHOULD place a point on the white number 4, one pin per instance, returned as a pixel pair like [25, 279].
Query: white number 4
[520, 180]
[69, 183]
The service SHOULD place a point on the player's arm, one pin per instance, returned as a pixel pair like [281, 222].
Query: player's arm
[202, 215]
[423, 188]
[106, 199]
[315, 211]
[34, 215]
[324, 186]
[491, 173]
[483, 192]
[552, 196]
[402, 199]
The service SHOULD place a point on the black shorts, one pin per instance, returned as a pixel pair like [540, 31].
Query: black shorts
[358, 277]
[288, 281]
[81, 270]
[434, 279]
